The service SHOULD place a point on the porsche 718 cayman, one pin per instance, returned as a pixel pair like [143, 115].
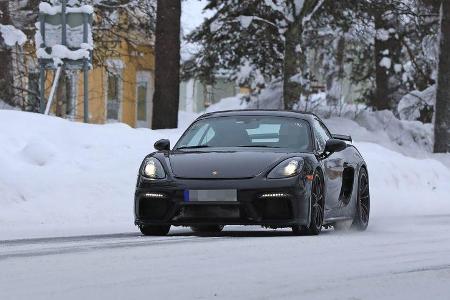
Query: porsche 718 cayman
[253, 167]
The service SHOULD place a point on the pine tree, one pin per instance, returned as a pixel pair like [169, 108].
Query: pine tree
[242, 38]
[386, 47]
[256, 41]
[296, 72]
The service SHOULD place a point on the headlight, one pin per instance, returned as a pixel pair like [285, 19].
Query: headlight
[287, 168]
[153, 169]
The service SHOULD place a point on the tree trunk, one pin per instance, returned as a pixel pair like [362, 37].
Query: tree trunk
[387, 54]
[167, 69]
[6, 75]
[442, 116]
[293, 61]
[335, 77]
[295, 64]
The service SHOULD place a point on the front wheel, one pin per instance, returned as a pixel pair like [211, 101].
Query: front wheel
[317, 205]
[154, 230]
[362, 211]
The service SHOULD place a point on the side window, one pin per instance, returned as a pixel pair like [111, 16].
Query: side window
[321, 134]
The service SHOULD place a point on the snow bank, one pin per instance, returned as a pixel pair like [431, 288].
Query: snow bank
[411, 138]
[59, 177]
[237, 102]
[402, 185]
[4, 105]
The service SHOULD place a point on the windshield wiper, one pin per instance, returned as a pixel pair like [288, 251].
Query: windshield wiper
[193, 147]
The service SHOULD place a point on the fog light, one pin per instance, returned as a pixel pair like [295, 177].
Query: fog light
[155, 195]
[274, 195]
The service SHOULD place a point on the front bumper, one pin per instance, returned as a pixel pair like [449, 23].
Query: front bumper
[171, 208]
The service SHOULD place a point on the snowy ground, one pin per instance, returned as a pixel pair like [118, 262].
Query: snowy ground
[397, 258]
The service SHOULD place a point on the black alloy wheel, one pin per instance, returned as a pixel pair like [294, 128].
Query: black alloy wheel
[362, 212]
[317, 210]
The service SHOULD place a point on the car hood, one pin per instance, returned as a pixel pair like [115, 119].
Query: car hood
[222, 165]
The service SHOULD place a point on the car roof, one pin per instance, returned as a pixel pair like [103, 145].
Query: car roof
[260, 112]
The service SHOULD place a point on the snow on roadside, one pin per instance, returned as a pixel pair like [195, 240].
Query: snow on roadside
[382, 127]
[59, 177]
[402, 185]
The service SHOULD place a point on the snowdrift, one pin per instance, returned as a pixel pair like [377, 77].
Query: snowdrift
[59, 177]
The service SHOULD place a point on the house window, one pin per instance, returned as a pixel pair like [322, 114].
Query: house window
[113, 97]
[142, 101]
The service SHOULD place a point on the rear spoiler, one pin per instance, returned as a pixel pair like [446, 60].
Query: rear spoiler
[342, 137]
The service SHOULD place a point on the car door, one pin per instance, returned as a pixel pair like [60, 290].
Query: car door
[333, 166]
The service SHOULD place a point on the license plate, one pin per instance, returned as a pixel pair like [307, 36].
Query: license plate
[210, 195]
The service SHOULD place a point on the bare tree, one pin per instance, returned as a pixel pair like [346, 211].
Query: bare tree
[167, 68]
[442, 117]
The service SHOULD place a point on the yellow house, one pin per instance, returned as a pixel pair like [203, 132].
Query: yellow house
[122, 90]
[121, 82]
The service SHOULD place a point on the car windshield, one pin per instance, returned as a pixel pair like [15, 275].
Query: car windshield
[248, 131]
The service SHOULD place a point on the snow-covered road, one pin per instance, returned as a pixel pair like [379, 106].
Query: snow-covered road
[397, 258]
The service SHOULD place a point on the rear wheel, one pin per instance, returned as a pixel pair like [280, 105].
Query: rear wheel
[207, 228]
[362, 212]
[317, 205]
[154, 230]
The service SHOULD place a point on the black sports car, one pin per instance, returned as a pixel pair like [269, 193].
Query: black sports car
[253, 167]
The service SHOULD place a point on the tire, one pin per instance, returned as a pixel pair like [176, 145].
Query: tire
[154, 230]
[317, 210]
[207, 228]
[362, 211]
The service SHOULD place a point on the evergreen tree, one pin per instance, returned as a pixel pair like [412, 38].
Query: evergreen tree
[256, 41]
[384, 47]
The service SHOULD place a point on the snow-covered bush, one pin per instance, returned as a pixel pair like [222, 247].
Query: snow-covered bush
[418, 105]
[12, 36]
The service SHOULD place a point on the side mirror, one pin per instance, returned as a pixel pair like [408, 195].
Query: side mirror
[335, 145]
[162, 145]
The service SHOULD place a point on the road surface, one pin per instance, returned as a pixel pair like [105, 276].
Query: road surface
[397, 258]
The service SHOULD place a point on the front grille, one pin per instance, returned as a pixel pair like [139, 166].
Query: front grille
[276, 208]
[153, 208]
[210, 212]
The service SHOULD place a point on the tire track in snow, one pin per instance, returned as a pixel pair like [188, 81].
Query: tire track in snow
[57, 246]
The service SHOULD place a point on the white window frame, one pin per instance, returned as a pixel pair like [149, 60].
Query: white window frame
[115, 67]
[145, 76]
